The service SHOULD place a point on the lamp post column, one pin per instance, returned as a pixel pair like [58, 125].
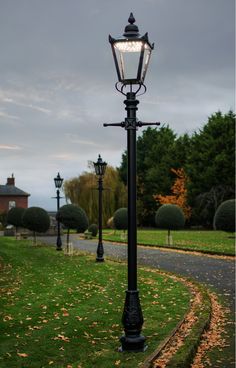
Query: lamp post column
[100, 250]
[132, 317]
[59, 243]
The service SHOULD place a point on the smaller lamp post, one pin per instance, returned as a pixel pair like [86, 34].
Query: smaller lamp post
[58, 183]
[100, 168]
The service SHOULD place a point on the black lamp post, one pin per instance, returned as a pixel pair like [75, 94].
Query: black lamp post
[58, 183]
[131, 56]
[100, 168]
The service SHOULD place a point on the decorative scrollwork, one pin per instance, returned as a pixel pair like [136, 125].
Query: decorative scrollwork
[120, 87]
[132, 318]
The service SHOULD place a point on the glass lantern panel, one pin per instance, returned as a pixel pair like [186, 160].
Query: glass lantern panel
[104, 168]
[146, 59]
[100, 169]
[96, 167]
[128, 57]
[58, 181]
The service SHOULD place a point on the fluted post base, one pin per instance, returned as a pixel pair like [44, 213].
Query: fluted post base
[132, 320]
[100, 252]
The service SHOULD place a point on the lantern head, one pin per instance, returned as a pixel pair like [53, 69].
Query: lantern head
[100, 166]
[58, 181]
[131, 54]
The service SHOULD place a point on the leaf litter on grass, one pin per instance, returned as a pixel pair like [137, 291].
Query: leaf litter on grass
[46, 313]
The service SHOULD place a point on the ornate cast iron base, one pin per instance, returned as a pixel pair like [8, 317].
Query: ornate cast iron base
[100, 253]
[132, 320]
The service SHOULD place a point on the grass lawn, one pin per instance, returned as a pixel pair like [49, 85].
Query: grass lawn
[58, 311]
[215, 242]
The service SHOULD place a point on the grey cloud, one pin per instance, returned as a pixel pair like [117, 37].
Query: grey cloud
[57, 79]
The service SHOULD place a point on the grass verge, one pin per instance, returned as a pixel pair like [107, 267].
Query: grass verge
[211, 242]
[59, 311]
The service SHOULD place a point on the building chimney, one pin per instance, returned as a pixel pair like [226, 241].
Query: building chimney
[11, 181]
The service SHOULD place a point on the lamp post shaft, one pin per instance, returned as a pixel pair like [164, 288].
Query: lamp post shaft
[100, 250]
[131, 107]
[59, 243]
[132, 317]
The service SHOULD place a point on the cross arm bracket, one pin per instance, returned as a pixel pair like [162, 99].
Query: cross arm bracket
[130, 123]
[122, 124]
[141, 123]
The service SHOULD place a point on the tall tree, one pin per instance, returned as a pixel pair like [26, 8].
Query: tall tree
[155, 157]
[179, 193]
[211, 166]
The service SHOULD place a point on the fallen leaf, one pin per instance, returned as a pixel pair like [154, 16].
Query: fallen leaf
[7, 318]
[22, 355]
[62, 337]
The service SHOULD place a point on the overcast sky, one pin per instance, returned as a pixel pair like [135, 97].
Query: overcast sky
[57, 80]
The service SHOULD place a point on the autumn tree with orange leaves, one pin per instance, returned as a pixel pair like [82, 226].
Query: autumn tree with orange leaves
[179, 196]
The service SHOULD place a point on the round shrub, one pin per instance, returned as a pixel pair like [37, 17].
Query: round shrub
[36, 219]
[170, 217]
[224, 218]
[120, 219]
[93, 228]
[14, 216]
[73, 217]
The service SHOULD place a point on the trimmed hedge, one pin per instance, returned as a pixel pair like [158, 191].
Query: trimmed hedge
[36, 219]
[73, 217]
[120, 219]
[170, 217]
[93, 229]
[224, 218]
[14, 216]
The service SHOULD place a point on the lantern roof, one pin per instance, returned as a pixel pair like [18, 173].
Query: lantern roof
[131, 30]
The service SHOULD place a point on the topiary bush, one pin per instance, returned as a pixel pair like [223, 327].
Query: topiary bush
[36, 219]
[93, 229]
[72, 217]
[120, 219]
[14, 217]
[224, 218]
[170, 217]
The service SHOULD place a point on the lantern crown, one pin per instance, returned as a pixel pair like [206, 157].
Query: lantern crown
[131, 30]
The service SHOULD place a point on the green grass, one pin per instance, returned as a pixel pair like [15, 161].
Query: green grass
[63, 311]
[213, 242]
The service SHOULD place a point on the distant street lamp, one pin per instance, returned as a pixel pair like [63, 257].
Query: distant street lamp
[131, 56]
[100, 168]
[58, 183]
